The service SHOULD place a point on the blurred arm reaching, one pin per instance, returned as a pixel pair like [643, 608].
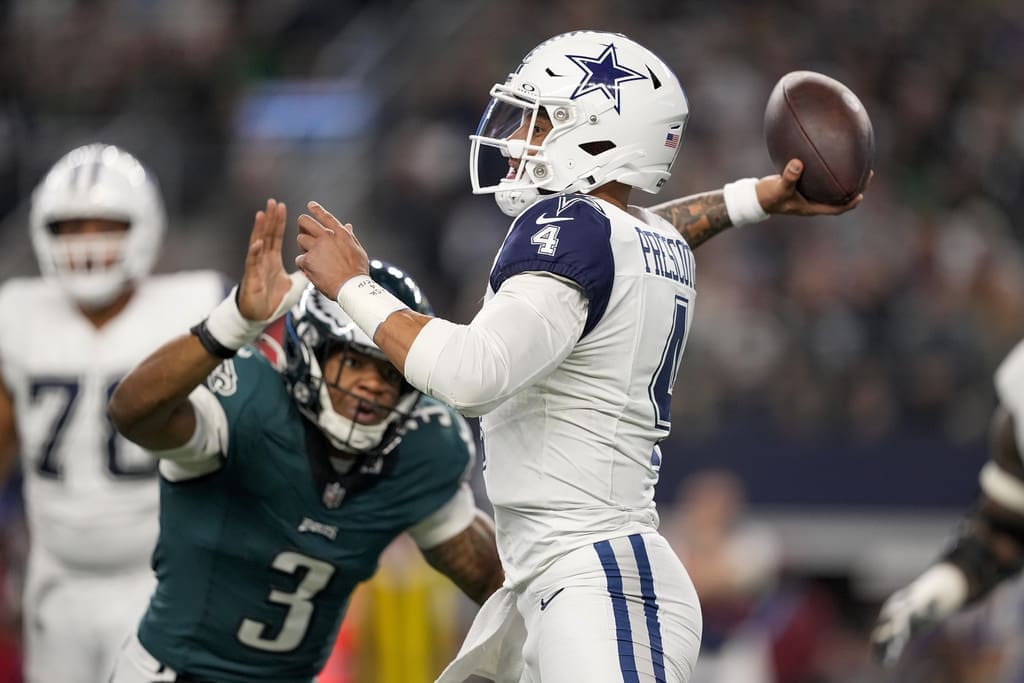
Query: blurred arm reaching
[989, 547]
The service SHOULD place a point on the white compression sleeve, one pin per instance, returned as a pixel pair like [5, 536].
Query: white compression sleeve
[203, 452]
[519, 336]
[450, 519]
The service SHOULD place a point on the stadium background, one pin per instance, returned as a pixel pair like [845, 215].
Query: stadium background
[839, 369]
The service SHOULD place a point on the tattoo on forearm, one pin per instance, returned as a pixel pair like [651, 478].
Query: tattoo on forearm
[470, 560]
[698, 217]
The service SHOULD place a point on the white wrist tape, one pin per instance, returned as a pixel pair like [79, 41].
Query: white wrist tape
[229, 327]
[942, 588]
[1002, 487]
[367, 303]
[226, 324]
[741, 202]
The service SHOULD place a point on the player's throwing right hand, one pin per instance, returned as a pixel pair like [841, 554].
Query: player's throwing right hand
[331, 253]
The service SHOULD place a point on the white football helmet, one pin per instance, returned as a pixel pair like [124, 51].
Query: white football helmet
[617, 112]
[105, 182]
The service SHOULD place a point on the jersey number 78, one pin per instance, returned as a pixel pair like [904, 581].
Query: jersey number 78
[67, 391]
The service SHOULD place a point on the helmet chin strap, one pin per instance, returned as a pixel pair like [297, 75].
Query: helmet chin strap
[514, 200]
[345, 434]
[352, 437]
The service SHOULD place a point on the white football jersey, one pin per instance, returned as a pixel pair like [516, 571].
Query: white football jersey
[91, 496]
[573, 458]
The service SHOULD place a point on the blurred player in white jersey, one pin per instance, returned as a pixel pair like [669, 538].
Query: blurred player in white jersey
[97, 220]
[572, 358]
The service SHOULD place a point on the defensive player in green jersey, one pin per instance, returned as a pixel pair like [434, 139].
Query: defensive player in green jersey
[282, 486]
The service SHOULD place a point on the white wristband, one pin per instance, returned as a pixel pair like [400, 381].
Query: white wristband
[741, 202]
[1002, 487]
[367, 303]
[232, 330]
[942, 588]
[227, 325]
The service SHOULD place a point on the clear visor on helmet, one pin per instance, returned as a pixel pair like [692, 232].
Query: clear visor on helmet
[501, 143]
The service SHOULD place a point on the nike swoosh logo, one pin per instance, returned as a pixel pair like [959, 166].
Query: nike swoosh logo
[544, 220]
[544, 603]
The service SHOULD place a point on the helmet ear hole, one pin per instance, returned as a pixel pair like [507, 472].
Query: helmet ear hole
[598, 147]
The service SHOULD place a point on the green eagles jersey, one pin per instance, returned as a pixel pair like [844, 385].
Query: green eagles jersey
[254, 570]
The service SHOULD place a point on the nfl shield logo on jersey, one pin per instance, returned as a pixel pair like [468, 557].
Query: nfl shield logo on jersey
[333, 495]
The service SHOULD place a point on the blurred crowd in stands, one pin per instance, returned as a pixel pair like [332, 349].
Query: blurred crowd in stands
[842, 360]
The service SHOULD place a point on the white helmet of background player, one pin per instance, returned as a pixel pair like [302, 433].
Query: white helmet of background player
[617, 112]
[102, 182]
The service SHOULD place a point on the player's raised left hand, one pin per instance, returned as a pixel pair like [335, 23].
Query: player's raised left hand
[265, 284]
[331, 254]
[777, 194]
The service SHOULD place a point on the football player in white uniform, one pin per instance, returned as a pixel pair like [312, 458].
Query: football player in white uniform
[989, 546]
[572, 358]
[66, 338]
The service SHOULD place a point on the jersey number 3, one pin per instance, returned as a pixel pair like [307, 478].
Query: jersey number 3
[299, 603]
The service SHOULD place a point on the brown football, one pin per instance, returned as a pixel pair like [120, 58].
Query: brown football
[817, 119]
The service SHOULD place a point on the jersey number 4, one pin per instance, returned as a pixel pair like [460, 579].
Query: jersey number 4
[660, 388]
[546, 240]
[65, 392]
[299, 603]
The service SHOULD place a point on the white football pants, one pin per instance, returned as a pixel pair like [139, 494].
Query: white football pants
[75, 624]
[136, 665]
[617, 611]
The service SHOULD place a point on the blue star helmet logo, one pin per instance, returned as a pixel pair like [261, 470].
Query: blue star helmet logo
[604, 74]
